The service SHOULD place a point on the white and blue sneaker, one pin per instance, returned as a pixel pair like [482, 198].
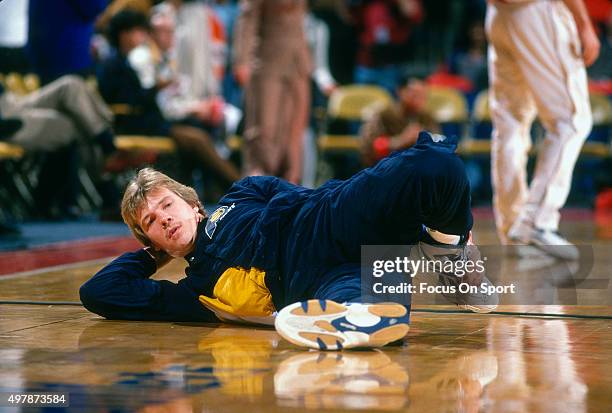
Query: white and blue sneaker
[327, 325]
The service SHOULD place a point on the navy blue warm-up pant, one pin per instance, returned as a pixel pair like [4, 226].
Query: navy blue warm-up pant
[387, 204]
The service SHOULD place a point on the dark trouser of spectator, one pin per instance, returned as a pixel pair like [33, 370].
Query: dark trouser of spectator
[14, 59]
[55, 195]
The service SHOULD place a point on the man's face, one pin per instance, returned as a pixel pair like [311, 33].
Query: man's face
[131, 39]
[413, 96]
[169, 222]
[163, 33]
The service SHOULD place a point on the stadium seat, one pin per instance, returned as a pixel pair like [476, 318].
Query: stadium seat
[21, 84]
[598, 142]
[448, 107]
[350, 103]
[339, 143]
[10, 151]
[159, 144]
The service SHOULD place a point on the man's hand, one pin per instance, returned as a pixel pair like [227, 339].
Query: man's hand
[329, 89]
[590, 45]
[210, 110]
[242, 73]
[588, 37]
[163, 83]
[407, 138]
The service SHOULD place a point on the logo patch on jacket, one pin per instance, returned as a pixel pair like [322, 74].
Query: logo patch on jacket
[215, 218]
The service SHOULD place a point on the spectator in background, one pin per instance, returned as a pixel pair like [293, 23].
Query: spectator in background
[472, 63]
[440, 28]
[227, 11]
[157, 61]
[60, 33]
[56, 115]
[119, 83]
[273, 62]
[322, 86]
[317, 34]
[53, 120]
[384, 28]
[601, 70]
[115, 6]
[13, 36]
[201, 46]
[394, 128]
[342, 37]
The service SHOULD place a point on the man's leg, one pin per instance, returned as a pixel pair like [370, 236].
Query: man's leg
[292, 127]
[563, 104]
[262, 154]
[512, 112]
[390, 202]
[44, 130]
[548, 53]
[69, 95]
[199, 144]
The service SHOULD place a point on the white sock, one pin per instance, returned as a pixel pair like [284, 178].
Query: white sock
[442, 237]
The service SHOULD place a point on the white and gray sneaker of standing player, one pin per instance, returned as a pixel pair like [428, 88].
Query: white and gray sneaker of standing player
[327, 325]
[547, 241]
[479, 302]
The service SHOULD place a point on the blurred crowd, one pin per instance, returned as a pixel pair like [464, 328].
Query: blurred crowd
[202, 72]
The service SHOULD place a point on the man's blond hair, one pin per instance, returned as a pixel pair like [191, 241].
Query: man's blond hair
[146, 181]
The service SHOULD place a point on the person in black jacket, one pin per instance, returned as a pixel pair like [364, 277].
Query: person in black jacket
[119, 84]
[276, 252]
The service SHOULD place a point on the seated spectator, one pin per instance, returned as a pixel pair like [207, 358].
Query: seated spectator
[54, 120]
[472, 63]
[56, 115]
[195, 57]
[384, 29]
[119, 84]
[158, 60]
[389, 129]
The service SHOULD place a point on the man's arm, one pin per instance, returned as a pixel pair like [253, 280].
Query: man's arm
[122, 290]
[588, 37]
[246, 39]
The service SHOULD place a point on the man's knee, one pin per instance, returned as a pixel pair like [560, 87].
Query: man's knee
[441, 166]
[72, 85]
[71, 80]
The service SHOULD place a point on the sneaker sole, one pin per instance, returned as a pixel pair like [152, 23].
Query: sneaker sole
[327, 325]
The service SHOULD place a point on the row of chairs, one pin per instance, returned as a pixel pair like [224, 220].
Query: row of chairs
[352, 103]
[19, 170]
[449, 108]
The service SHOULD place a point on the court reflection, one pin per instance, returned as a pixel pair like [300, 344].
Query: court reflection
[357, 380]
[372, 380]
[474, 363]
[536, 369]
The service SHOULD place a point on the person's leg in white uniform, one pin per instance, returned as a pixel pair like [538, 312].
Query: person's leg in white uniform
[540, 39]
[512, 111]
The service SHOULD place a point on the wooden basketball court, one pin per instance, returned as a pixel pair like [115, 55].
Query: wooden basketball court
[528, 358]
